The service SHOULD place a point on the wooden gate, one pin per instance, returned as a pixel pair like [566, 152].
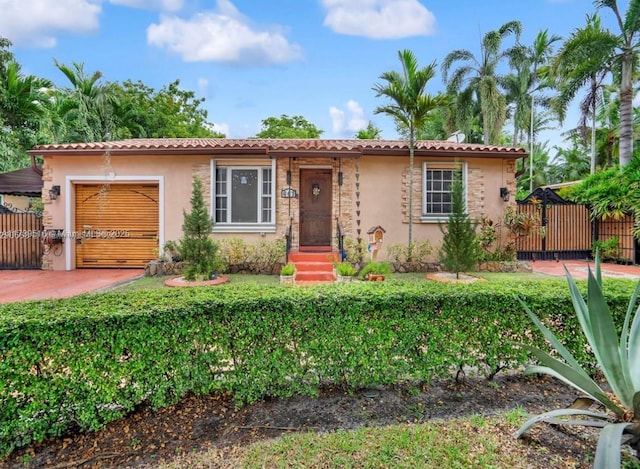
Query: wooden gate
[563, 230]
[21, 241]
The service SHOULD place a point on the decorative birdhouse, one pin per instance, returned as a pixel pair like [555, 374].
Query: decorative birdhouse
[376, 234]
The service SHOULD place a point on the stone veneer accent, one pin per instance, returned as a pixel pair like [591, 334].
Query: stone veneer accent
[47, 218]
[288, 210]
[203, 172]
[475, 192]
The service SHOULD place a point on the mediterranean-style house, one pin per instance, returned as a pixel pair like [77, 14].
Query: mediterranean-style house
[116, 203]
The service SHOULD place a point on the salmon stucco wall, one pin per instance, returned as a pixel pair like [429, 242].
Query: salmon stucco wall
[173, 173]
[384, 184]
[374, 191]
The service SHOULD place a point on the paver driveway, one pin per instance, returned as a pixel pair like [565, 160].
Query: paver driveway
[19, 285]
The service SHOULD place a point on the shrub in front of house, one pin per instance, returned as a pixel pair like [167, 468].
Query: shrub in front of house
[82, 362]
[196, 246]
[261, 257]
[375, 268]
[417, 257]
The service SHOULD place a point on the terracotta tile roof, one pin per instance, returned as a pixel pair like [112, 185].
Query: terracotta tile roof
[275, 147]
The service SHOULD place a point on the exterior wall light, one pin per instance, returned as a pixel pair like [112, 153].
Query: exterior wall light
[54, 192]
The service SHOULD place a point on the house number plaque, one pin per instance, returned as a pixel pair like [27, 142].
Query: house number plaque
[288, 193]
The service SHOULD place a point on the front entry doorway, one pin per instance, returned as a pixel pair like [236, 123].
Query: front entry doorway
[315, 207]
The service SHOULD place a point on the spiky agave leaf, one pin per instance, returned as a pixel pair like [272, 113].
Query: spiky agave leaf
[572, 377]
[606, 344]
[630, 342]
[618, 358]
[552, 415]
[608, 449]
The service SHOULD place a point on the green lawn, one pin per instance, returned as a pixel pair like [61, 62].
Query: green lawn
[158, 282]
[477, 441]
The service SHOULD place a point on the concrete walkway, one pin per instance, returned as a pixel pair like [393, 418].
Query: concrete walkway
[579, 269]
[21, 285]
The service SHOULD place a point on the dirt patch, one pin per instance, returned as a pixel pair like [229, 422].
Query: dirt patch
[453, 278]
[199, 423]
[182, 282]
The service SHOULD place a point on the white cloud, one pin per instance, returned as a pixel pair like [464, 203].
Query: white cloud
[222, 36]
[163, 5]
[203, 87]
[37, 22]
[221, 127]
[349, 122]
[379, 19]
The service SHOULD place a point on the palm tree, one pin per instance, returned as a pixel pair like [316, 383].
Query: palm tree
[529, 78]
[584, 61]
[22, 103]
[88, 106]
[616, 52]
[23, 96]
[624, 53]
[371, 132]
[409, 105]
[480, 75]
[570, 164]
[540, 175]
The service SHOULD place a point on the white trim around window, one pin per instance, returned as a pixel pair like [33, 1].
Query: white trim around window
[436, 189]
[243, 210]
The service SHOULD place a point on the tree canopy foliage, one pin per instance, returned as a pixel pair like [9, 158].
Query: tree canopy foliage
[170, 112]
[288, 127]
[87, 108]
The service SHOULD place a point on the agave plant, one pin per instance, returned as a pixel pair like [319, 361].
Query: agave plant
[618, 412]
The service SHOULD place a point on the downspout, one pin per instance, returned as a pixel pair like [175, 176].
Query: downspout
[339, 187]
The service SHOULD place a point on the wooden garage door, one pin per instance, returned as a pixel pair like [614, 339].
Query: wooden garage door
[116, 225]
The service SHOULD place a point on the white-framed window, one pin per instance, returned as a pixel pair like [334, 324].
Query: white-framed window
[437, 189]
[243, 198]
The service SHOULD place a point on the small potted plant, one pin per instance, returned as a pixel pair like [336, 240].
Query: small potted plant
[345, 272]
[375, 271]
[288, 273]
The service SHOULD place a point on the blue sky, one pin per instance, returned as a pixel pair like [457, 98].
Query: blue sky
[252, 59]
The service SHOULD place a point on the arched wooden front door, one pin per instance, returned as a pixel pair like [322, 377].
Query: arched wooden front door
[315, 207]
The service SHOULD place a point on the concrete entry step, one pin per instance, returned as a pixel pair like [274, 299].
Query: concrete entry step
[313, 266]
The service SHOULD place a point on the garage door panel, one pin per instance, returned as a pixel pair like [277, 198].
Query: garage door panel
[116, 225]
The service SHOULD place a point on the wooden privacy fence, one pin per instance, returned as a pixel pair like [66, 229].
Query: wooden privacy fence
[21, 241]
[563, 230]
[622, 229]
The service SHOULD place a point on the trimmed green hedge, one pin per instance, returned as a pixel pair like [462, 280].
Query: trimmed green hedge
[77, 364]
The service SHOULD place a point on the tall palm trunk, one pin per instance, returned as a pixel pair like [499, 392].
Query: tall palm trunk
[594, 94]
[626, 109]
